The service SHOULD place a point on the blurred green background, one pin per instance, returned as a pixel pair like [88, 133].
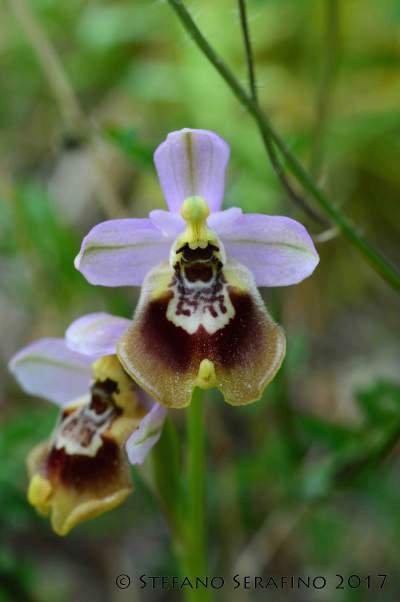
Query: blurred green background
[328, 75]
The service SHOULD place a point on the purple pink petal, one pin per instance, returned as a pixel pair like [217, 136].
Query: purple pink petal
[192, 163]
[49, 369]
[96, 334]
[120, 252]
[146, 436]
[277, 250]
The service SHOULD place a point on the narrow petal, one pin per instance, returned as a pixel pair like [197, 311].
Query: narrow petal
[206, 330]
[278, 250]
[224, 221]
[170, 224]
[120, 252]
[96, 334]
[49, 369]
[192, 163]
[146, 436]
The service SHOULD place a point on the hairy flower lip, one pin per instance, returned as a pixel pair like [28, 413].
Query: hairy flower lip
[67, 503]
[246, 350]
[74, 475]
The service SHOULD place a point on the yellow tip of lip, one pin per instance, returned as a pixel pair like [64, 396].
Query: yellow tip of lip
[206, 378]
[39, 492]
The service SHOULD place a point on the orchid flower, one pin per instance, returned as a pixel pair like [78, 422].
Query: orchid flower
[200, 320]
[82, 470]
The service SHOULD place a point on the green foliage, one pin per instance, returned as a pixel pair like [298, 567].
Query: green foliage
[28, 427]
[130, 142]
[36, 233]
[380, 403]
[16, 577]
[351, 452]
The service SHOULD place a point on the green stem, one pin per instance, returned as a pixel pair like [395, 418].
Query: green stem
[166, 471]
[197, 505]
[248, 49]
[375, 259]
[327, 84]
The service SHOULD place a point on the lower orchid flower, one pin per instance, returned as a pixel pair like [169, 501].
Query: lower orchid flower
[82, 470]
[200, 320]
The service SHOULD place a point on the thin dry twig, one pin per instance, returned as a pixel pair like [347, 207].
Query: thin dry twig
[273, 533]
[326, 235]
[74, 119]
